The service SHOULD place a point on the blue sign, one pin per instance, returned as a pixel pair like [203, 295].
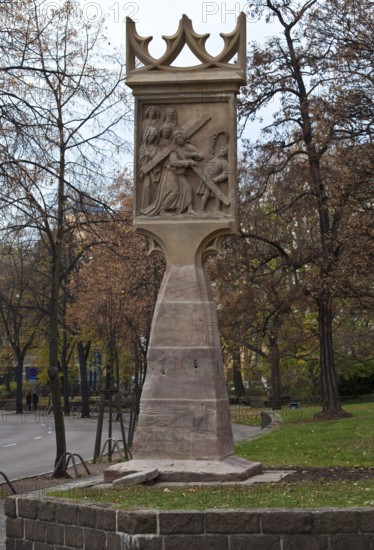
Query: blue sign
[33, 374]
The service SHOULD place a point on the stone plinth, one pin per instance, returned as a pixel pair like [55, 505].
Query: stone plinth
[231, 469]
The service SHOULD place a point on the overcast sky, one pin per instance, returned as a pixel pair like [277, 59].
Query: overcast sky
[161, 17]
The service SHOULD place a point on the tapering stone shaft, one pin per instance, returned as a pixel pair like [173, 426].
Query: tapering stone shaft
[184, 409]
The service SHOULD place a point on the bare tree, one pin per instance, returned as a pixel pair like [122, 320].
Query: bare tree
[301, 68]
[63, 120]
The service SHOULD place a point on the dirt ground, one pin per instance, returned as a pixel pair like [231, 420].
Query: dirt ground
[329, 474]
[39, 483]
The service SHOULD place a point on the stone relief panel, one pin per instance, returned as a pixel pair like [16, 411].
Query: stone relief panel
[185, 161]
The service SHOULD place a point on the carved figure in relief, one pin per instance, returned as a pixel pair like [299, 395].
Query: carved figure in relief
[152, 119]
[147, 151]
[216, 169]
[171, 117]
[168, 127]
[166, 136]
[174, 193]
[157, 154]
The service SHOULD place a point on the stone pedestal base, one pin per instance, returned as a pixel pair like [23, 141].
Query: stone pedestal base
[184, 410]
[232, 468]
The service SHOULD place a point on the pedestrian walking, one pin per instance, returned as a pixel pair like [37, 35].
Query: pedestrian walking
[28, 401]
[35, 401]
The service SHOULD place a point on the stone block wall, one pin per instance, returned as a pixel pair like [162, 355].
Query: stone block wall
[46, 524]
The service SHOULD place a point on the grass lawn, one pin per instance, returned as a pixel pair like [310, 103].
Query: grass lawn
[297, 442]
[259, 495]
[300, 441]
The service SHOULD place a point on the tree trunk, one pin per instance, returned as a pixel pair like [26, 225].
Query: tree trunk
[83, 352]
[7, 383]
[56, 272]
[331, 406]
[19, 385]
[64, 368]
[275, 373]
[237, 374]
[55, 383]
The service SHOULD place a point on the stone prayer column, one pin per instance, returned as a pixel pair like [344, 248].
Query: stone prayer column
[185, 204]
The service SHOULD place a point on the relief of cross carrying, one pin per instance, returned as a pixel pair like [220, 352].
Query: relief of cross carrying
[165, 157]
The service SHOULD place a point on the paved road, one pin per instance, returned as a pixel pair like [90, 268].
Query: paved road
[28, 444]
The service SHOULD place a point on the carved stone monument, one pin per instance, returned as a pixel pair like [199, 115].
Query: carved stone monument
[185, 204]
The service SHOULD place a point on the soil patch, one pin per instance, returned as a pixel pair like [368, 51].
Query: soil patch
[329, 474]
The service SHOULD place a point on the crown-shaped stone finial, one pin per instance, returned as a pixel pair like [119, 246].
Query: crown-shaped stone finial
[234, 46]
